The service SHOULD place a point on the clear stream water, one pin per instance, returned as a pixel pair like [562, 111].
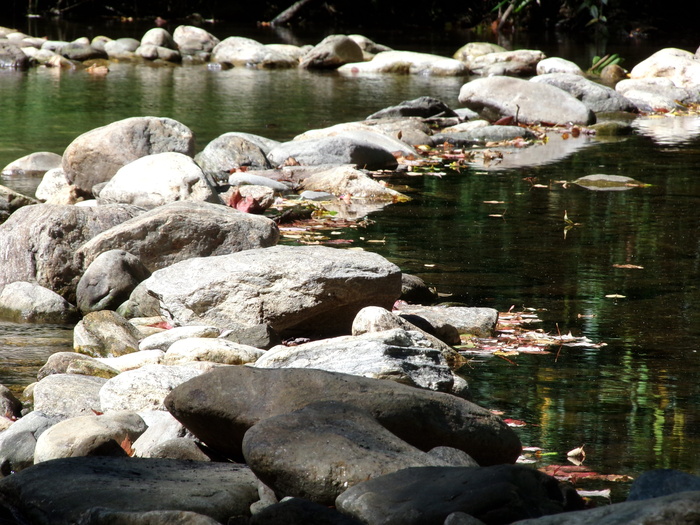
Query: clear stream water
[633, 402]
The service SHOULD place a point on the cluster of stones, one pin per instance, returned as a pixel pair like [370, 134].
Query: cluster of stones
[180, 403]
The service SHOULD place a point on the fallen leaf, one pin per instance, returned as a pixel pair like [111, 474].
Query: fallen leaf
[628, 266]
[576, 452]
[615, 296]
[605, 493]
[126, 445]
[515, 423]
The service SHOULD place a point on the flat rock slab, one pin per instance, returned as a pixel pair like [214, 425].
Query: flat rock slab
[220, 406]
[64, 490]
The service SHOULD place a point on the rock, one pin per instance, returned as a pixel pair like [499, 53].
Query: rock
[68, 395]
[520, 63]
[453, 457]
[321, 450]
[662, 482]
[369, 47]
[163, 340]
[54, 188]
[10, 406]
[424, 107]
[612, 74]
[367, 131]
[95, 156]
[407, 62]
[91, 367]
[558, 65]
[221, 406]
[497, 494]
[182, 230]
[18, 442]
[133, 361]
[332, 52]
[244, 178]
[483, 134]
[179, 448]
[652, 94]
[162, 427]
[105, 334]
[158, 36]
[231, 151]
[679, 66]
[12, 57]
[333, 150]
[244, 52]
[249, 198]
[348, 181]
[109, 280]
[58, 363]
[144, 388]
[415, 291]
[297, 288]
[258, 336]
[158, 179]
[211, 350]
[191, 40]
[81, 52]
[674, 508]
[408, 357]
[23, 302]
[596, 97]
[121, 48]
[67, 490]
[40, 242]
[154, 517]
[93, 435]
[299, 511]
[11, 201]
[33, 164]
[497, 97]
[480, 322]
[469, 51]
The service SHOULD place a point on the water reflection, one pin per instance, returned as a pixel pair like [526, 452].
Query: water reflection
[669, 131]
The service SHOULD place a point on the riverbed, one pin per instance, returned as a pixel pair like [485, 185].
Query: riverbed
[624, 274]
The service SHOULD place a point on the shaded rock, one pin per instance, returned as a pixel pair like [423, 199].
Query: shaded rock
[351, 182]
[596, 97]
[258, 336]
[33, 164]
[68, 395]
[182, 230]
[424, 107]
[222, 405]
[163, 340]
[244, 52]
[89, 436]
[498, 494]
[332, 52]
[408, 63]
[497, 97]
[231, 151]
[369, 47]
[212, 350]
[612, 74]
[674, 508]
[408, 357]
[158, 179]
[179, 448]
[313, 288]
[18, 442]
[95, 156]
[319, 451]
[104, 516]
[10, 406]
[453, 457]
[480, 322]
[333, 150]
[66, 490]
[105, 334]
[414, 290]
[23, 302]
[81, 52]
[299, 511]
[144, 388]
[109, 280]
[558, 65]
[11, 201]
[40, 242]
[12, 57]
[520, 63]
[662, 482]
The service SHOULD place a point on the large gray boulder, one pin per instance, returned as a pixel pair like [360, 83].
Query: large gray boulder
[332, 52]
[321, 450]
[231, 151]
[95, 156]
[24, 302]
[497, 97]
[34, 164]
[245, 52]
[182, 230]
[656, 93]
[477, 321]
[408, 357]
[496, 494]
[596, 97]
[519, 63]
[158, 179]
[75, 490]
[340, 149]
[292, 288]
[18, 443]
[68, 395]
[219, 407]
[678, 65]
[39, 242]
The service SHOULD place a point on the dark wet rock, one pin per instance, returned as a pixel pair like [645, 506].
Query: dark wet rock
[425, 107]
[25, 302]
[95, 156]
[10, 406]
[414, 290]
[533, 102]
[182, 230]
[497, 494]
[12, 57]
[221, 406]
[307, 288]
[299, 511]
[102, 516]
[109, 280]
[66, 491]
[11, 201]
[319, 451]
[40, 242]
[596, 97]
[662, 482]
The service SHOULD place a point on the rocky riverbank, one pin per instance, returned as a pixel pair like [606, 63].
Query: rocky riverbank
[219, 377]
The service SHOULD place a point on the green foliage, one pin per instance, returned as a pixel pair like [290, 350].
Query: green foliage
[599, 63]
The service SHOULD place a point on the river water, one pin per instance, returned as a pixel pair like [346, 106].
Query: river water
[488, 235]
